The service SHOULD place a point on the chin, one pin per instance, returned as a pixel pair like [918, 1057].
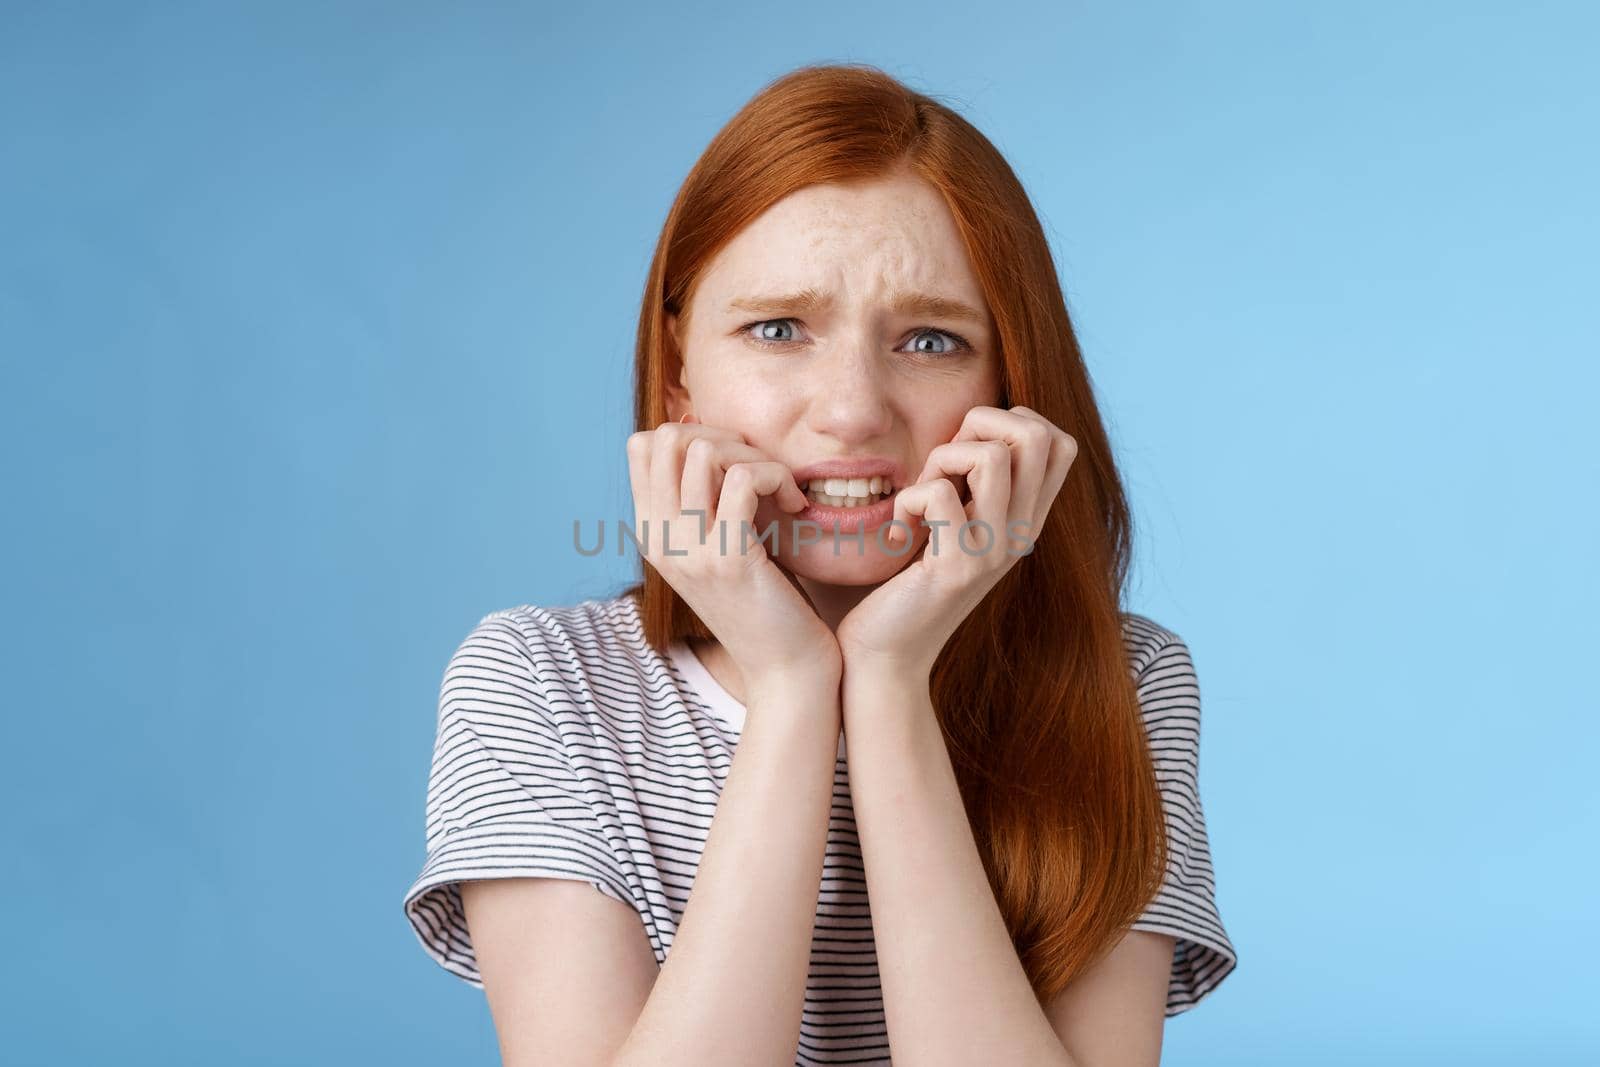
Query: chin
[845, 560]
[818, 563]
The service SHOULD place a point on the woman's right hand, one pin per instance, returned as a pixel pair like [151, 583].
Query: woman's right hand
[751, 605]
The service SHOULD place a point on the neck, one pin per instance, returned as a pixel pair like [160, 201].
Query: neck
[833, 602]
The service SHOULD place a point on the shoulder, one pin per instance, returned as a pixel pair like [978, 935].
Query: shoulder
[570, 661]
[1150, 645]
[560, 637]
[1169, 691]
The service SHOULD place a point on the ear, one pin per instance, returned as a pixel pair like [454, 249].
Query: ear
[678, 400]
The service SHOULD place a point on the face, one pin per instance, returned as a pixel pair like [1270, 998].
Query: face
[805, 335]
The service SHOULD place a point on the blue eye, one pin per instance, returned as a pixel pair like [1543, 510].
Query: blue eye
[959, 343]
[769, 340]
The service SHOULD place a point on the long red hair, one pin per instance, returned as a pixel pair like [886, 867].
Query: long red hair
[1034, 692]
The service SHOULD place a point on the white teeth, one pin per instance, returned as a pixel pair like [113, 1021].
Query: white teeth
[833, 501]
[873, 486]
[847, 492]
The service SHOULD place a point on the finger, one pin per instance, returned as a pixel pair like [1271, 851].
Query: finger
[639, 472]
[986, 466]
[669, 442]
[1030, 437]
[935, 500]
[695, 491]
[706, 463]
[745, 484]
[1063, 451]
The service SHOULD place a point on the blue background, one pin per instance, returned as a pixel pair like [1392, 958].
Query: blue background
[317, 321]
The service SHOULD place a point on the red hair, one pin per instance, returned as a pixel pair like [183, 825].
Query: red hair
[1034, 692]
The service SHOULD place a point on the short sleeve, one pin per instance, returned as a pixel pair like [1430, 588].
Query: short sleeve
[503, 799]
[1185, 906]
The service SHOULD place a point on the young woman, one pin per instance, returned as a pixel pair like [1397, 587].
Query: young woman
[837, 793]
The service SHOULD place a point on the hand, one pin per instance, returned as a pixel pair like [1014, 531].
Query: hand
[1014, 462]
[753, 607]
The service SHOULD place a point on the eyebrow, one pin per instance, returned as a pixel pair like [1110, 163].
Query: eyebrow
[810, 300]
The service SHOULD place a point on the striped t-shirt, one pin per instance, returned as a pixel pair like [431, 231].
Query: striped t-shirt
[568, 748]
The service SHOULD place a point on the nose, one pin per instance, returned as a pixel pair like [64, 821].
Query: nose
[849, 398]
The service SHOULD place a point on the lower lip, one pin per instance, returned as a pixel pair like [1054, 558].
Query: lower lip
[849, 520]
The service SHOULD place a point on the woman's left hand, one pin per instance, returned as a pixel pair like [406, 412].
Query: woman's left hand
[1014, 462]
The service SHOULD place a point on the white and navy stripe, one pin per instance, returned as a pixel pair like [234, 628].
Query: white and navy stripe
[1185, 906]
[568, 748]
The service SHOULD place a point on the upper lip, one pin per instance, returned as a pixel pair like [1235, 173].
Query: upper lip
[852, 467]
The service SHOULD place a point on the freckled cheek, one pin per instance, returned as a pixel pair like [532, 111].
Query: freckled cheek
[757, 405]
[935, 415]
[761, 416]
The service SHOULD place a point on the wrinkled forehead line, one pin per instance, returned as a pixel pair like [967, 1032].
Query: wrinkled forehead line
[850, 213]
[774, 252]
[845, 203]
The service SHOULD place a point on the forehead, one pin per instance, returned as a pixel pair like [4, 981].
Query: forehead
[863, 238]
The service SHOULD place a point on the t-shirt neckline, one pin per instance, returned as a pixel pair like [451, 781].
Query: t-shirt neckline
[706, 685]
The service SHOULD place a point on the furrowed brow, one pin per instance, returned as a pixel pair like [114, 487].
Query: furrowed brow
[927, 305]
[805, 301]
[809, 300]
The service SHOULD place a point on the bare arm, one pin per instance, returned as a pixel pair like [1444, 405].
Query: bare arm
[954, 989]
[570, 976]
[566, 969]
[1115, 1012]
[732, 988]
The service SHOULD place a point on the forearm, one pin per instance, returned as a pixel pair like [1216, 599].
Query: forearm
[954, 989]
[732, 988]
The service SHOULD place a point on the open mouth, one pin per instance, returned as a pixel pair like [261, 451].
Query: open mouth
[847, 492]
